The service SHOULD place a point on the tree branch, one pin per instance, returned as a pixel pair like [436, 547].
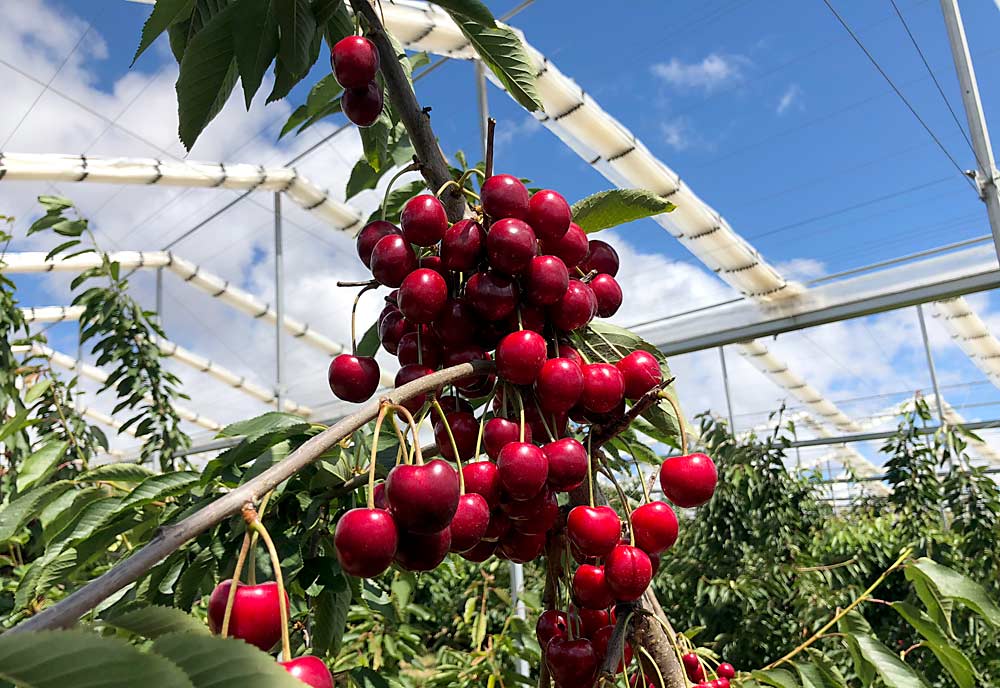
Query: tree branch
[173, 537]
[601, 435]
[415, 118]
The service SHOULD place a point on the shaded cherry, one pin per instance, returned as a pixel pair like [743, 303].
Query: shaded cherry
[423, 220]
[430, 349]
[601, 256]
[628, 572]
[567, 464]
[493, 296]
[498, 433]
[310, 670]
[391, 329]
[549, 215]
[467, 354]
[353, 378]
[572, 663]
[453, 402]
[601, 638]
[545, 280]
[463, 246]
[586, 622]
[559, 385]
[523, 469]
[510, 246]
[409, 373]
[370, 235]
[456, 324]
[392, 260]
[465, 430]
[379, 497]
[481, 478]
[688, 481]
[355, 61]
[654, 526]
[608, 293]
[641, 372]
[594, 530]
[255, 617]
[365, 541]
[363, 105]
[499, 525]
[571, 247]
[422, 551]
[423, 499]
[567, 351]
[470, 522]
[537, 520]
[603, 387]
[504, 195]
[481, 552]
[590, 588]
[551, 623]
[521, 548]
[520, 357]
[576, 308]
[422, 295]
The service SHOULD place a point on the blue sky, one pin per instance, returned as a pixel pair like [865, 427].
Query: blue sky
[770, 112]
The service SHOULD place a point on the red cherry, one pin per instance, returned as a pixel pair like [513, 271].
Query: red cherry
[551, 624]
[571, 247]
[463, 246]
[521, 548]
[481, 478]
[409, 373]
[608, 294]
[434, 263]
[576, 308]
[559, 385]
[720, 682]
[655, 527]
[503, 195]
[549, 215]
[641, 372]
[470, 522]
[510, 246]
[567, 464]
[481, 552]
[654, 560]
[465, 430]
[363, 106]
[430, 349]
[590, 588]
[353, 378]
[456, 324]
[422, 552]
[423, 499]
[594, 530]
[697, 674]
[422, 295]
[691, 663]
[423, 220]
[603, 387]
[566, 351]
[600, 640]
[533, 516]
[370, 235]
[520, 357]
[602, 257]
[628, 571]
[499, 432]
[546, 280]
[499, 525]
[523, 469]
[688, 481]
[391, 329]
[726, 670]
[379, 497]
[572, 663]
[365, 540]
[588, 621]
[392, 260]
[310, 670]
[492, 295]
[453, 402]
[255, 617]
[354, 60]
[474, 385]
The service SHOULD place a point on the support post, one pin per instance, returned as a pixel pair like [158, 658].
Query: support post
[159, 295]
[930, 364]
[484, 103]
[725, 384]
[986, 175]
[279, 302]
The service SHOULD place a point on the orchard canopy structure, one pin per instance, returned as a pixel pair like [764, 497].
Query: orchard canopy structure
[238, 255]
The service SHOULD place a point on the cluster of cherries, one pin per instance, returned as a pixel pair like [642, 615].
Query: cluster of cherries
[355, 63]
[695, 670]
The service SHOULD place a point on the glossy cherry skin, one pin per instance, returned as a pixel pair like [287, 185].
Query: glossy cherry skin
[456, 324]
[586, 622]
[576, 308]
[255, 618]
[363, 105]
[423, 499]
[603, 387]
[463, 246]
[628, 572]
[392, 260]
[551, 624]
[499, 432]
[422, 295]
[571, 247]
[721, 682]
[602, 257]
[600, 640]
[549, 215]
[422, 551]
[365, 540]
[492, 295]
[692, 667]
[481, 552]
[590, 588]
[537, 516]
[608, 293]
[370, 235]
[499, 525]
[510, 246]
[523, 469]
[567, 351]
[688, 481]
[379, 497]
[409, 373]
[310, 670]
[471, 520]
[465, 430]
[481, 478]
[473, 385]
[423, 220]
[528, 316]
[355, 61]
[567, 464]
[429, 349]
[726, 670]
[559, 385]
[504, 195]
[546, 280]
[655, 527]
[391, 329]
[520, 357]
[594, 530]
[353, 378]
[641, 372]
[572, 663]
[520, 548]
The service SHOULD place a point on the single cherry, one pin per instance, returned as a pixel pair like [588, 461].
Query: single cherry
[365, 541]
[521, 548]
[498, 433]
[423, 499]
[594, 530]
[363, 105]
[571, 247]
[546, 280]
[726, 670]
[353, 378]
[392, 260]
[641, 372]
[423, 220]
[391, 329]
[567, 464]
[354, 60]
[600, 640]
[409, 373]
[255, 617]
[692, 667]
[429, 349]
[559, 385]
[510, 246]
[523, 469]
[566, 351]
[499, 525]
[492, 295]
[688, 481]
[572, 663]
[470, 522]
[463, 246]
[603, 387]
[481, 478]
[590, 588]
[310, 670]
[370, 235]
[422, 295]
[520, 357]
[602, 257]
[586, 622]
[481, 552]
[503, 196]
[534, 516]
[628, 571]
[465, 430]
[473, 385]
[422, 551]
[655, 527]
[551, 624]
[549, 215]
[608, 293]
[576, 308]
[456, 324]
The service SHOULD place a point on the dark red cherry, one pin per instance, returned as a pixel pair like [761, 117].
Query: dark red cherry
[520, 548]
[365, 541]
[481, 478]
[499, 525]
[492, 295]
[546, 280]
[463, 246]
[654, 526]
[370, 235]
[571, 247]
[601, 638]
[590, 588]
[310, 671]
[363, 105]
[551, 624]
[628, 572]
[454, 402]
[353, 378]
[567, 464]
[528, 317]
[430, 349]
[510, 246]
[465, 354]
[456, 324]
[379, 497]
[499, 432]
[504, 195]
[641, 372]
[576, 308]
[391, 329]
[481, 552]
[602, 257]
[392, 260]
[559, 385]
[409, 373]
[422, 552]
[688, 481]
[534, 516]
[255, 617]
[423, 499]
[594, 530]
[603, 387]
[523, 469]
[566, 351]
[608, 293]
[434, 263]
[422, 295]
[465, 430]
[572, 663]
[470, 522]
[520, 357]
[587, 622]
[423, 220]
[549, 215]
[355, 61]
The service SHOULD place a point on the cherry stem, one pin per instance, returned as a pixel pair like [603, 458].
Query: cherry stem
[414, 166]
[590, 473]
[252, 571]
[240, 559]
[420, 347]
[413, 430]
[604, 339]
[286, 646]
[621, 495]
[461, 188]
[479, 436]
[383, 409]
[545, 424]
[520, 408]
[680, 421]
[401, 452]
[491, 126]
[454, 445]
[354, 317]
[642, 480]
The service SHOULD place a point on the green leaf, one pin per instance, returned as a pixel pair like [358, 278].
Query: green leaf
[37, 390]
[397, 198]
[55, 519]
[894, 672]
[339, 24]
[41, 463]
[255, 37]
[951, 658]
[853, 625]
[154, 621]
[165, 13]
[116, 473]
[331, 608]
[15, 423]
[363, 677]
[369, 344]
[207, 75]
[222, 662]
[264, 424]
[55, 203]
[607, 209]
[779, 678]
[827, 668]
[27, 506]
[158, 487]
[57, 659]
[298, 28]
[375, 141]
[954, 586]
[363, 177]
[813, 677]
[470, 9]
[502, 51]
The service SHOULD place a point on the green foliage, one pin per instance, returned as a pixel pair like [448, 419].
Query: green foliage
[607, 209]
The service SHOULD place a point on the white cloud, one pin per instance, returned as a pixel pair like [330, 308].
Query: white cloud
[509, 131]
[801, 268]
[676, 133]
[713, 72]
[792, 97]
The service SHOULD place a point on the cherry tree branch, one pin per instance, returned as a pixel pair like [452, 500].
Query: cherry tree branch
[172, 537]
[601, 435]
